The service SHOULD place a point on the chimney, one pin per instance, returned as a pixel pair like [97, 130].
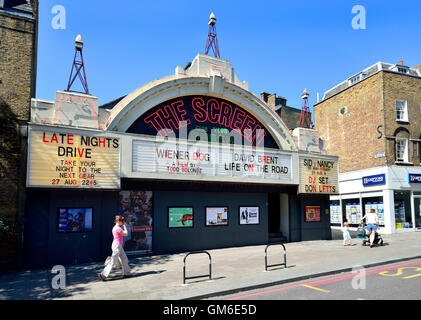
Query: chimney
[400, 63]
[272, 100]
[264, 95]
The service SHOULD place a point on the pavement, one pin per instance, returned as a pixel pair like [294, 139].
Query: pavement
[233, 270]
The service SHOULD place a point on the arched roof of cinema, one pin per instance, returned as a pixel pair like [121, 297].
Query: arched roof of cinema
[135, 104]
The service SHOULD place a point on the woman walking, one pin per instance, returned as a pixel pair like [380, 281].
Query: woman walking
[372, 224]
[117, 248]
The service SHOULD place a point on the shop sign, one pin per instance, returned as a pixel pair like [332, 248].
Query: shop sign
[373, 180]
[379, 155]
[60, 159]
[414, 178]
[318, 175]
[181, 160]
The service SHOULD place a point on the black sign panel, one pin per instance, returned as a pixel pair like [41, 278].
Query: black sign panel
[219, 119]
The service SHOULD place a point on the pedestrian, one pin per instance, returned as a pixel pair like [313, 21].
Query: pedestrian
[117, 248]
[346, 235]
[372, 220]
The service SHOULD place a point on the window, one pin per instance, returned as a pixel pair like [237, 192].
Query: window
[402, 150]
[403, 70]
[401, 110]
[354, 80]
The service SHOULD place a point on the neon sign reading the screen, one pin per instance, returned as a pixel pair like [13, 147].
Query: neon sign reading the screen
[173, 116]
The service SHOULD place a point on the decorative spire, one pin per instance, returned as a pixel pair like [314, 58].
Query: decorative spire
[212, 41]
[305, 117]
[78, 66]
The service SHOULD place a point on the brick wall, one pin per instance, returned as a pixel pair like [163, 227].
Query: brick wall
[291, 117]
[16, 50]
[348, 123]
[353, 133]
[17, 85]
[406, 88]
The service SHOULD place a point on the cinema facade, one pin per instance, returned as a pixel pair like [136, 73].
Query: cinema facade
[193, 161]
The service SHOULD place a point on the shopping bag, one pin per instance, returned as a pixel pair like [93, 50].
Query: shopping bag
[361, 232]
[117, 263]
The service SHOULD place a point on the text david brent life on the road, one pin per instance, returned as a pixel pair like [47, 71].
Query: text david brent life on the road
[73, 160]
[171, 159]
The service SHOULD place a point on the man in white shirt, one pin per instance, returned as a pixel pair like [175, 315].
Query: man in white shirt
[372, 224]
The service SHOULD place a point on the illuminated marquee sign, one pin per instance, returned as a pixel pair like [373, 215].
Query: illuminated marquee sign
[203, 112]
[174, 160]
[63, 159]
[318, 175]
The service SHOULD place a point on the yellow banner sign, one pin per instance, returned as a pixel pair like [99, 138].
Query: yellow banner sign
[318, 175]
[63, 159]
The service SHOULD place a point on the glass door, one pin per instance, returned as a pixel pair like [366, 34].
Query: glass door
[403, 214]
[417, 212]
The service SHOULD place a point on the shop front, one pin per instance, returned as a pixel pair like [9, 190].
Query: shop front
[393, 192]
[192, 161]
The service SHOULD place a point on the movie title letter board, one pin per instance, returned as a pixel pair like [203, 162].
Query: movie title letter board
[318, 175]
[67, 160]
[192, 161]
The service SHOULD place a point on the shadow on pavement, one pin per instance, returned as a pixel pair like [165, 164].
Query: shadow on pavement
[37, 284]
[205, 280]
[133, 276]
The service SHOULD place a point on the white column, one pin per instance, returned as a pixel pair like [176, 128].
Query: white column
[342, 214]
[412, 210]
[389, 212]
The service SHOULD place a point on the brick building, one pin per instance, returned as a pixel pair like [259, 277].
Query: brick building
[18, 47]
[372, 121]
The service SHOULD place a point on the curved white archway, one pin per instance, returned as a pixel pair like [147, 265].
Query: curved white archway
[135, 104]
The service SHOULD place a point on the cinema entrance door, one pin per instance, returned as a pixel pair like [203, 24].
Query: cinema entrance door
[278, 217]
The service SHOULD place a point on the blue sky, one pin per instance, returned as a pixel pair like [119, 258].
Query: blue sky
[278, 46]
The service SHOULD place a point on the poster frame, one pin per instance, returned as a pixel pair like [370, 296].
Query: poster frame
[306, 216]
[143, 251]
[248, 206]
[184, 207]
[74, 232]
[216, 225]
